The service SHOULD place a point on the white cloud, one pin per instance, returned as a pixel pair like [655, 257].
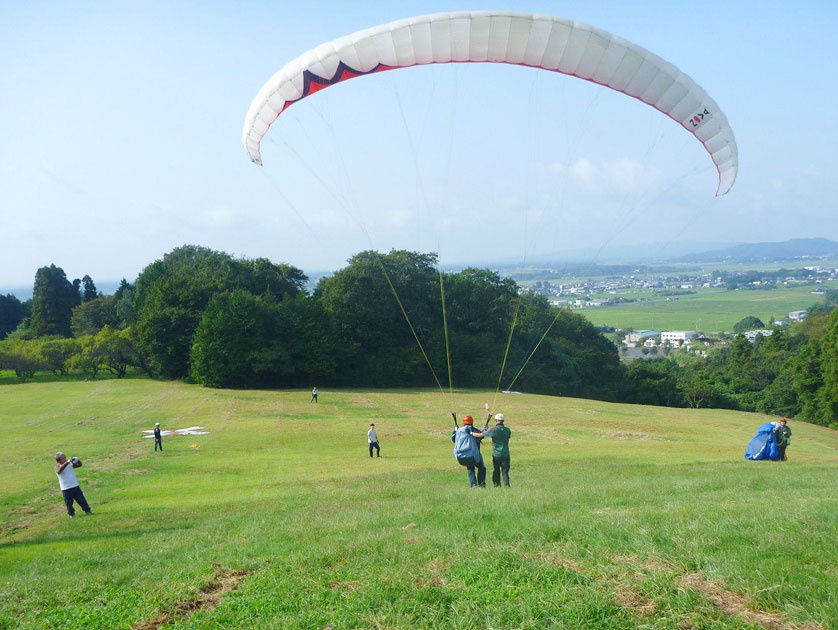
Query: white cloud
[218, 218]
[626, 174]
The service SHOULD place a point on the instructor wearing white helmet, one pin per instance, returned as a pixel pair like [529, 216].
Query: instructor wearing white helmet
[500, 435]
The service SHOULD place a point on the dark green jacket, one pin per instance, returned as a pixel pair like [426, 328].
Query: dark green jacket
[500, 440]
[784, 435]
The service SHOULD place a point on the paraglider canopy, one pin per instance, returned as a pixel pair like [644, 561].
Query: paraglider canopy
[535, 40]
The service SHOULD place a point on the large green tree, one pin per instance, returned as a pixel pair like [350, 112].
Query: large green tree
[93, 315]
[245, 340]
[123, 304]
[170, 296]
[654, 382]
[89, 291]
[53, 300]
[748, 323]
[480, 311]
[386, 308]
[389, 309]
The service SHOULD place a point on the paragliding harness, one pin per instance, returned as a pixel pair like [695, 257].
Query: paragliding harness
[465, 446]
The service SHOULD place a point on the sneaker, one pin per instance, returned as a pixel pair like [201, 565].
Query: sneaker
[71, 515]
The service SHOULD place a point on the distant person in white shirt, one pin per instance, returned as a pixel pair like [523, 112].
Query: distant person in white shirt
[372, 438]
[69, 484]
[313, 396]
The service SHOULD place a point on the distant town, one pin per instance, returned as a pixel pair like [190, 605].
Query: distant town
[629, 285]
[597, 292]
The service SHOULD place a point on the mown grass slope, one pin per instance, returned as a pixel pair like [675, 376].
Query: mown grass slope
[619, 516]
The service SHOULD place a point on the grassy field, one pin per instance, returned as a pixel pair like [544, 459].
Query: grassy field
[708, 310]
[618, 516]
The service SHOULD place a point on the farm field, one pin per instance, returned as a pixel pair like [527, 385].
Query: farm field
[706, 310]
[619, 516]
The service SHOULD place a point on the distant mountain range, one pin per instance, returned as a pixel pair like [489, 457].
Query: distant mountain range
[797, 249]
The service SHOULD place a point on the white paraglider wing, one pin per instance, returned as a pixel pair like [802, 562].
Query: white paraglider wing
[540, 41]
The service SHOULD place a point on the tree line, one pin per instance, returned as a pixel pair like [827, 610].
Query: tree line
[390, 320]
[206, 317]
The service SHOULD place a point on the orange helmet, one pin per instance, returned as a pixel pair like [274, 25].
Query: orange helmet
[468, 420]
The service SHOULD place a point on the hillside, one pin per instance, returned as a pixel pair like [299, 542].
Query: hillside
[619, 516]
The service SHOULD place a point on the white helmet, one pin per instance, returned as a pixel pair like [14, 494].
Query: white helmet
[499, 417]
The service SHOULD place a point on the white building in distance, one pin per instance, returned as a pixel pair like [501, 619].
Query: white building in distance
[677, 336]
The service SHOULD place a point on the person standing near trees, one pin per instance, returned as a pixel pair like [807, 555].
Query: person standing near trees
[158, 437]
[313, 396]
[467, 451]
[372, 439]
[69, 483]
[500, 435]
[783, 438]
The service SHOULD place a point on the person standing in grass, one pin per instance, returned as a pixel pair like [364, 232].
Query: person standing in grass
[783, 438]
[372, 439]
[69, 483]
[500, 435]
[313, 396]
[467, 451]
[158, 437]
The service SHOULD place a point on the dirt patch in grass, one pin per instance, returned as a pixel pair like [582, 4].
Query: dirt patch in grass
[627, 569]
[436, 571]
[208, 597]
[555, 559]
[630, 435]
[25, 516]
[631, 600]
[735, 604]
[362, 401]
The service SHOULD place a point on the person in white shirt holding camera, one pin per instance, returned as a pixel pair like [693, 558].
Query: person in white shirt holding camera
[69, 483]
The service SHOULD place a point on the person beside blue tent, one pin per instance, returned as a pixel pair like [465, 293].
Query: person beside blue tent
[783, 438]
[766, 443]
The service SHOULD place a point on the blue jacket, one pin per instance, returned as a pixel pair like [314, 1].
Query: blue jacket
[465, 444]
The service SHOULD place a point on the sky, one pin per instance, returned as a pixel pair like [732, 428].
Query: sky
[121, 129]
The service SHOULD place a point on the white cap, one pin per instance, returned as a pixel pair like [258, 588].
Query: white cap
[499, 417]
[157, 424]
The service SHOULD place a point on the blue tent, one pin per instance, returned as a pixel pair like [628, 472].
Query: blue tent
[764, 444]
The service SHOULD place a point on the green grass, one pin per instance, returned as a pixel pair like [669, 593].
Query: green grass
[619, 516]
[707, 310]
